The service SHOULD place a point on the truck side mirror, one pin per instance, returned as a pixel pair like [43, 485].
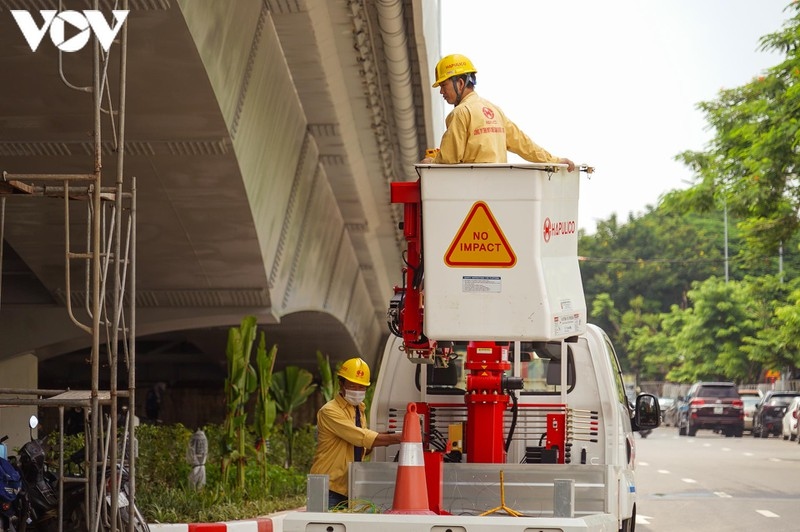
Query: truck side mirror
[647, 414]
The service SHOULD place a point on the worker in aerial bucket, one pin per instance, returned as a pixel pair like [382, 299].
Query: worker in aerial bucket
[342, 433]
[477, 130]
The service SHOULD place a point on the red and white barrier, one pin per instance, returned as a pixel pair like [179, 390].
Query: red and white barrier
[261, 524]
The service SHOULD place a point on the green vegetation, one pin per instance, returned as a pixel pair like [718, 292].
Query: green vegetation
[658, 283]
[163, 493]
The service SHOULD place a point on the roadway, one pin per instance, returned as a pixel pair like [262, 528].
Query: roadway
[710, 482]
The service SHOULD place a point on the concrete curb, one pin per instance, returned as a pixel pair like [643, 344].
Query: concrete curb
[273, 523]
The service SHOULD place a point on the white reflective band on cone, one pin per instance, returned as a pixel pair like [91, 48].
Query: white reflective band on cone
[411, 454]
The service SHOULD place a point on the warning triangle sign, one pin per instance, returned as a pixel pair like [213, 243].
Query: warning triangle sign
[480, 242]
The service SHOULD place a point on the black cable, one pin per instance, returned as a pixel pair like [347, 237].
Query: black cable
[514, 409]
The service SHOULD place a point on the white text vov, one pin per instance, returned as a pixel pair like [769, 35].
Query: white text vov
[82, 21]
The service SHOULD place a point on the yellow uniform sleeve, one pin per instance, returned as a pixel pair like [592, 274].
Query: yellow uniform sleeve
[519, 143]
[477, 131]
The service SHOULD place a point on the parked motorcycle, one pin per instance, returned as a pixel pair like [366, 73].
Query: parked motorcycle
[10, 486]
[37, 508]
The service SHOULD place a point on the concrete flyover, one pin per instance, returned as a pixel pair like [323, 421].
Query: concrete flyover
[263, 135]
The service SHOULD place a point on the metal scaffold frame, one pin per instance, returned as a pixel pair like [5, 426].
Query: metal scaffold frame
[109, 260]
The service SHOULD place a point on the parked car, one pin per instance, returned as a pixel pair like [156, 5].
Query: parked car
[671, 415]
[711, 405]
[664, 403]
[768, 417]
[789, 424]
[750, 402]
[750, 392]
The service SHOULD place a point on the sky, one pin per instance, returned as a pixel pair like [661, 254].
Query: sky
[612, 83]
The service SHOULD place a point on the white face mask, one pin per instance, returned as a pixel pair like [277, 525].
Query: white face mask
[354, 397]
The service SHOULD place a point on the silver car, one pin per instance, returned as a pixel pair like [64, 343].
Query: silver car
[750, 402]
[790, 418]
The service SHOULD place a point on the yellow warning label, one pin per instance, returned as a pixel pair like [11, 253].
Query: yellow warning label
[480, 242]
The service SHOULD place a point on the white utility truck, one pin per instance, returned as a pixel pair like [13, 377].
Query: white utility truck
[525, 422]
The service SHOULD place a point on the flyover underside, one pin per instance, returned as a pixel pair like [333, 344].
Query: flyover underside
[262, 183]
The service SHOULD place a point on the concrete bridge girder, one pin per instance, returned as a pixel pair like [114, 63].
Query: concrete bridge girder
[262, 169]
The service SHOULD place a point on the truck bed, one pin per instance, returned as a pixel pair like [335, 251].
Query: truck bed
[468, 491]
[471, 489]
[351, 522]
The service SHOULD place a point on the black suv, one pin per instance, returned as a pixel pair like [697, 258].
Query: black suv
[711, 405]
[769, 412]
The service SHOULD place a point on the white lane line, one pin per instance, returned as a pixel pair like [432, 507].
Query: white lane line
[689, 480]
[774, 459]
[706, 445]
[663, 471]
[644, 464]
[643, 519]
[748, 454]
[767, 513]
[726, 448]
[722, 495]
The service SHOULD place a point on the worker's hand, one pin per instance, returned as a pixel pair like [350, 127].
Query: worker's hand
[569, 163]
[427, 160]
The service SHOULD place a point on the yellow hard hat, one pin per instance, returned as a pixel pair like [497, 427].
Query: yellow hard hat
[452, 65]
[355, 370]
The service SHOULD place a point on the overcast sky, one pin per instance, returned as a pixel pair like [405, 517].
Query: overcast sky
[612, 83]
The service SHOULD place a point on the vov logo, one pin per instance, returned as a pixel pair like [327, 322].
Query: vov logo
[82, 22]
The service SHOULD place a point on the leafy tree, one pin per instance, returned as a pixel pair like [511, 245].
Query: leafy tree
[240, 383]
[266, 410]
[713, 332]
[751, 163]
[774, 304]
[291, 388]
[328, 385]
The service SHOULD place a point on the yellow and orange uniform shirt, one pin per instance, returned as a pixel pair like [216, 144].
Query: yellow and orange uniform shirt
[337, 438]
[479, 132]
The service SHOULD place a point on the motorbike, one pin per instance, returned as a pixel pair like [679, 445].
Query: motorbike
[10, 486]
[38, 504]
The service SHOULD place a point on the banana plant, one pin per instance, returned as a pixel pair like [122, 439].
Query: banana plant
[266, 410]
[291, 388]
[240, 383]
[328, 386]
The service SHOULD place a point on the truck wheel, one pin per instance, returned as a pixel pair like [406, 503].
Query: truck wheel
[629, 525]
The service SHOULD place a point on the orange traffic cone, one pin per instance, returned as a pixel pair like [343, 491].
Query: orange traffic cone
[410, 489]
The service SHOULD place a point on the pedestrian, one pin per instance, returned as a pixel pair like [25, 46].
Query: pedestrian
[342, 433]
[477, 130]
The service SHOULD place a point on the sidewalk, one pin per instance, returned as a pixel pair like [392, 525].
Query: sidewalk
[273, 523]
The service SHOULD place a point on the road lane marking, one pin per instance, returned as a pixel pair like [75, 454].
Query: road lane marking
[748, 454]
[722, 495]
[689, 480]
[767, 513]
[644, 463]
[706, 445]
[726, 448]
[774, 459]
[643, 519]
[663, 471]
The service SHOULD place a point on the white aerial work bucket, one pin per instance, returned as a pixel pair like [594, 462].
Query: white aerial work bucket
[500, 252]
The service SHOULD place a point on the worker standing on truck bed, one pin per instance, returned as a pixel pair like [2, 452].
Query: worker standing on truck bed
[342, 433]
[477, 130]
